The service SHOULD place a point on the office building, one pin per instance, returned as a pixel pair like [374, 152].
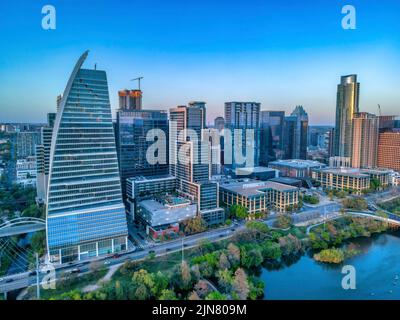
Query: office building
[214, 137]
[26, 172]
[242, 116]
[350, 179]
[296, 134]
[140, 188]
[365, 140]
[161, 216]
[24, 143]
[389, 150]
[189, 161]
[130, 100]
[271, 136]
[131, 130]
[296, 168]
[219, 123]
[85, 213]
[259, 196]
[342, 179]
[347, 104]
[43, 158]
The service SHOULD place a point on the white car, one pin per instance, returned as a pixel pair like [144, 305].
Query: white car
[1, 279]
[107, 263]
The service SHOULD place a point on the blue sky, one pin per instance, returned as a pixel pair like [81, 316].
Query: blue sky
[279, 53]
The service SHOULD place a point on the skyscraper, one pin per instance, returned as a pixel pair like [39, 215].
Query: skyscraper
[271, 136]
[243, 116]
[219, 123]
[85, 212]
[130, 99]
[43, 157]
[131, 129]
[348, 92]
[389, 150]
[365, 140]
[189, 161]
[296, 134]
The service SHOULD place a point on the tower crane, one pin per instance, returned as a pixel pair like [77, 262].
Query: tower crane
[138, 80]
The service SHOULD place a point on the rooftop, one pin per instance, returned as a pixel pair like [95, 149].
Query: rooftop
[162, 214]
[351, 172]
[248, 187]
[298, 163]
[250, 170]
[152, 178]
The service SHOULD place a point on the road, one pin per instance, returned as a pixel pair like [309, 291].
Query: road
[24, 280]
[11, 231]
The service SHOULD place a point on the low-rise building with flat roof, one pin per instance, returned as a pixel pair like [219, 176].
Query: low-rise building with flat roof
[141, 188]
[258, 196]
[296, 168]
[383, 176]
[342, 179]
[162, 215]
[260, 173]
[357, 180]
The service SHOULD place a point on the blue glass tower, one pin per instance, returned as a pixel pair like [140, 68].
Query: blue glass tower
[85, 212]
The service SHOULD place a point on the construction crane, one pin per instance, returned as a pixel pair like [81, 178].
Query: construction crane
[138, 80]
[379, 108]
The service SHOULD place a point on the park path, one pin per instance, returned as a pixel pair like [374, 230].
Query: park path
[106, 278]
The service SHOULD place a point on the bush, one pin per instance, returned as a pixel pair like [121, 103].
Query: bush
[330, 256]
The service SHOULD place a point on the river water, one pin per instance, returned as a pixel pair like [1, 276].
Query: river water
[377, 274]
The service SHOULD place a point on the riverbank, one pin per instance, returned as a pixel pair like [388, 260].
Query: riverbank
[227, 269]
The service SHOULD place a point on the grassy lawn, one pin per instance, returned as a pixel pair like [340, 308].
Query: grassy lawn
[72, 283]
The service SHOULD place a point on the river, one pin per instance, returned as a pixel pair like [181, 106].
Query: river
[377, 274]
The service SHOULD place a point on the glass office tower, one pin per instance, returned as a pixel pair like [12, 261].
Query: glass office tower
[131, 129]
[348, 93]
[85, 213]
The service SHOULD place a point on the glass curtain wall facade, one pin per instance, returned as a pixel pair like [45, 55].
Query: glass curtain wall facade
[348, 92]
[131, 130]
[85, 213]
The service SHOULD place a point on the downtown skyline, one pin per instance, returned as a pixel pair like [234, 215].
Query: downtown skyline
[209, 60]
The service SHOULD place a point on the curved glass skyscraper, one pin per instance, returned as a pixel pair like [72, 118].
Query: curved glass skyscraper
[85, 212]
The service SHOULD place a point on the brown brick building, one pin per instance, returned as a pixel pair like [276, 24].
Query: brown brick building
[389, 150]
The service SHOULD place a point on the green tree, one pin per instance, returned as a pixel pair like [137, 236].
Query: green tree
[167, 294]
[271, 250]
[257, 225]
[375, 184]
[250, 256]
[238, 211]
[216, 296]
[225, 279]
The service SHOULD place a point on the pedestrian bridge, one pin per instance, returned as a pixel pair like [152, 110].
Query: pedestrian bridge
[21, 225]
[391, 218]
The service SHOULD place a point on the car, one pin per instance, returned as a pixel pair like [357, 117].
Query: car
[75, 270]
[107, 262]
[116, 256]
[9, 280]
[1, 279]
[233, 229]
[32, 273]
[152, 252]
[168, 249]
[221, 235]
[185, 244]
